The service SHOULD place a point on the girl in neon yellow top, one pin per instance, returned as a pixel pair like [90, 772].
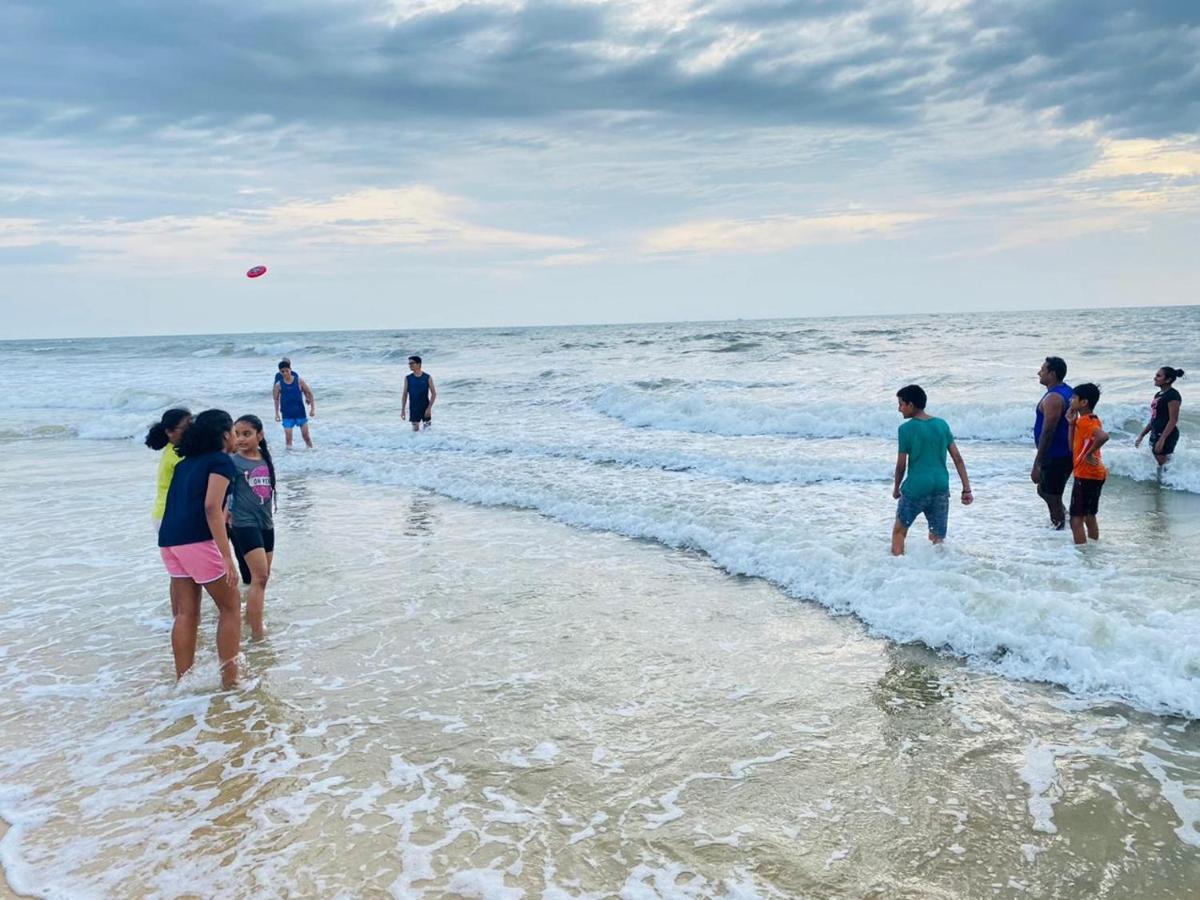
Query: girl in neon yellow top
[164, 435]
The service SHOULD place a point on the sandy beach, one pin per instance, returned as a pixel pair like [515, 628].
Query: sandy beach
[464, 701]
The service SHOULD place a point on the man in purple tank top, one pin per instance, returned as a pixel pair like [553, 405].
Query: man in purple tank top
[1052, 464]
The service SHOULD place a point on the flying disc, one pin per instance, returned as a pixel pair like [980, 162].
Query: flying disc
[257, 271]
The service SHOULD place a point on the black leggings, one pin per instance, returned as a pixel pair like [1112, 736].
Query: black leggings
[247, 538]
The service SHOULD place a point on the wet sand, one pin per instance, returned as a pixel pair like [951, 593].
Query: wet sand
[479, 702]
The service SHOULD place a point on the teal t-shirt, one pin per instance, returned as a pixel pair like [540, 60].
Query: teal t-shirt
[926, 442]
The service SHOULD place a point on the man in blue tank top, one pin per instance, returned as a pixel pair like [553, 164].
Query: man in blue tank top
[1052, 464]
[419, 395]
[291, 392]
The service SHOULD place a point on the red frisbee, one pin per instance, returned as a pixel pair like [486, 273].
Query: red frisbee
[256, 272]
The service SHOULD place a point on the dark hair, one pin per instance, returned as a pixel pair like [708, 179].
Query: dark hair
[285, 363]
[414, 358]
[1171, 373]
[1088, 392]
[156, 437]
[206, 434]
[1057, 365]
[257, 424]
[914, 394]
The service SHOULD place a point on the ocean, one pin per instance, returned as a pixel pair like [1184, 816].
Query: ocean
[622, 622]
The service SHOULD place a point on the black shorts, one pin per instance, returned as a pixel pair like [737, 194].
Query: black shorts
[246, 539]
[419, 414]
[1085, 496]
[1168, 444]
[1055, 472]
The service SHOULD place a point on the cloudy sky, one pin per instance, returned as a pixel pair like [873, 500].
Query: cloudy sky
[420, 163]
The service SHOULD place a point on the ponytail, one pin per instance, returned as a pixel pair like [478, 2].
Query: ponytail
[266, 455]
[157, 438]
[1171, 373]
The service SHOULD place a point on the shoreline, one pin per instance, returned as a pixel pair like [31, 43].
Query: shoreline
[7, 890]
[551, 708]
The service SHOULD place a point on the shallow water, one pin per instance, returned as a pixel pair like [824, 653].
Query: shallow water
[509, 696]
[460, 700]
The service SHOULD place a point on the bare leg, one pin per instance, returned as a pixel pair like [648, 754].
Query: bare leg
[304, 434]
[1077, 529]
[1093, 527]
[229, 627]
[185, 602]
[899, 534]
[416, 426]
[1054, 503]
[934, 539]
[181, 587]
[287, 437]
[260, 571]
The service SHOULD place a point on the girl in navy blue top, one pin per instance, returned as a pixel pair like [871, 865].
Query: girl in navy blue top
[194, 544]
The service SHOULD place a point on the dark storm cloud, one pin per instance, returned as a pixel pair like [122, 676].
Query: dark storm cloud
[1132, 66]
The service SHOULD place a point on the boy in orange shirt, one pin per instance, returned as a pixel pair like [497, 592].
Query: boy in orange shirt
[1086, 438]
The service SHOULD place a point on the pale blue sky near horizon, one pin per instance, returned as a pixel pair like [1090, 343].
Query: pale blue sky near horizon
[437, 163]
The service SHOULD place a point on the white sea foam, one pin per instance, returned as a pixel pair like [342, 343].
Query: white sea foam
[1040, 611]
[711, 412]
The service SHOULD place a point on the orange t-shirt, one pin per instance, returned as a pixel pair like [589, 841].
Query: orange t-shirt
[1085, 427]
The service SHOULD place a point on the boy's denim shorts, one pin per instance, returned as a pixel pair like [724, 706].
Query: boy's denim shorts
[936, 508]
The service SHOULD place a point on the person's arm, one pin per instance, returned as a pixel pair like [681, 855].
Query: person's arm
[961, 468]
[308, 395]
[1099, 439]
[901, 467]
[432, 393]
[214, 512]
[275, 394]
[404, 399]
[1052, 411]
[1142, 434]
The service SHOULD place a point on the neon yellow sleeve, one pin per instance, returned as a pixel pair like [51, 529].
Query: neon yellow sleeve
[167, 462]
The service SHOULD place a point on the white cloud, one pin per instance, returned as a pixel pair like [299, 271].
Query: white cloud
[774, 233]
[417, 216]
[1178, 158]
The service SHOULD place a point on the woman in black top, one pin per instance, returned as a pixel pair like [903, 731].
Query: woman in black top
[1163, 426]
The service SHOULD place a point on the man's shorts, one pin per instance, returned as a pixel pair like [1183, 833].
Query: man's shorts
[1168, 444]
[200, 562]
[295, 423]
[1055, 472]
[419, 414]
[1085, 496]
[935, 506]
[246, 539]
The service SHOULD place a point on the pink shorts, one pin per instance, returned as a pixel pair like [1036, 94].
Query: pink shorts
[200, 562]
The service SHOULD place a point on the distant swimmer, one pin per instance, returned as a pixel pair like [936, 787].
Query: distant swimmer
[1163, 426]
[1087, 437]
[1052, 464]
[922, 484]
[251, 516]
[419, 395]
[291, 392]
[165, 435]
[194, 545]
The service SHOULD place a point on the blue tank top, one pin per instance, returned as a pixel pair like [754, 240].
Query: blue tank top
[418, 390]
[1058, 444]
[291, 400]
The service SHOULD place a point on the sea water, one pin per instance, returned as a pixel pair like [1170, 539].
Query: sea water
[477, 684]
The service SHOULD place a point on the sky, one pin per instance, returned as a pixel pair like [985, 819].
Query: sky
[436, 163]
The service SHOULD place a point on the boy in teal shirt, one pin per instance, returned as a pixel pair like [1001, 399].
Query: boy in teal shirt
[924, 443]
